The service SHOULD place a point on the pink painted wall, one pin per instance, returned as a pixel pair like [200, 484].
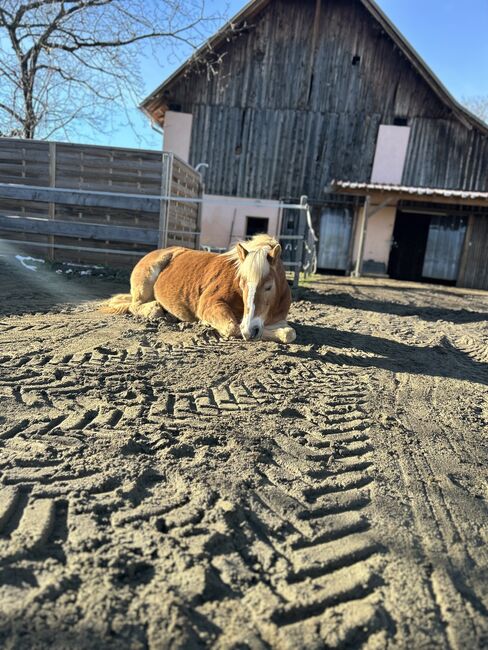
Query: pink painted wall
[391, 151]
[224, 223]
[177, 133]
[378, 237]
[379, 234]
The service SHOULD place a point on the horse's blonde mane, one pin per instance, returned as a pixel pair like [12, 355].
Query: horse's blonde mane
[255, 267]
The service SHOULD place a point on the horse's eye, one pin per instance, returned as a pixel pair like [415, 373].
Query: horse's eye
[268, 288]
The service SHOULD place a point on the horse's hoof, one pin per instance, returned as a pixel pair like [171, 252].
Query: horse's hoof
[289, 335]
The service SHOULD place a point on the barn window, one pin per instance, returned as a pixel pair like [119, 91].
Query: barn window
[356, 59]
[400, 121]
[256, 226]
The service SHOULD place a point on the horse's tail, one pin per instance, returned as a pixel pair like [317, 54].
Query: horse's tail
[118, 304]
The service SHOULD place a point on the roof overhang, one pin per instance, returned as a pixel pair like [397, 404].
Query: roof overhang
[149, 104]
[380, 192]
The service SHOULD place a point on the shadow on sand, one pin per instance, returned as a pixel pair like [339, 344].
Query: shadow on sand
[346, 301]
[442, 360]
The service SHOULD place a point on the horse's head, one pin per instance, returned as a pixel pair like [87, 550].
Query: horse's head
[259, 286]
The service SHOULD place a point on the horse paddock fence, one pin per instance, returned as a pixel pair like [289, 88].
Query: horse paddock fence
[91, 204]
[103, 205]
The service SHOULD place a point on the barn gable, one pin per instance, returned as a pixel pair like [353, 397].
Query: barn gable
[298, 97]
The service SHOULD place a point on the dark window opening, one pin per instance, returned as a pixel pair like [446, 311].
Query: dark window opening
[400, 121]
[175, 107]
[356, 59]
[256, 226]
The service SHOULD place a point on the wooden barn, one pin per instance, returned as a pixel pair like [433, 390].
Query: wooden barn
[326, 98]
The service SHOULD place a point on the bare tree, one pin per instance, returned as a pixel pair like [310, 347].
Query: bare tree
[68, 62]
[478, 105]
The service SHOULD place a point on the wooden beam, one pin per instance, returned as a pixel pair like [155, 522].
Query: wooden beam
[81, 198]
[52, 183]
[93, 231]
[362, 238]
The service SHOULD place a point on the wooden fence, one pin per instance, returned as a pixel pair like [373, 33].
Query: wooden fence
[92, 204]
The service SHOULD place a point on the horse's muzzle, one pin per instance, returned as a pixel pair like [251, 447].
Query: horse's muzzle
[254, 333]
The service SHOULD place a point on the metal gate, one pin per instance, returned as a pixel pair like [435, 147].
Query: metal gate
[444, 246]
[335, 238]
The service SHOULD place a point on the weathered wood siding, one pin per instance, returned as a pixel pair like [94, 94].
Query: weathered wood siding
[286, 115]
[473, 272]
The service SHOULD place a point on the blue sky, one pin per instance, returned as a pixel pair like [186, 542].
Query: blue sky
[450, 35]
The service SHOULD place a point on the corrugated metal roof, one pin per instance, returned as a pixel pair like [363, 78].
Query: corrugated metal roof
[337, 186]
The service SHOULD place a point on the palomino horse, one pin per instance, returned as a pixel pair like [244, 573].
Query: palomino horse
[243, 292]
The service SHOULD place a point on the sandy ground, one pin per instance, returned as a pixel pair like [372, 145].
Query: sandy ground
[164, 489]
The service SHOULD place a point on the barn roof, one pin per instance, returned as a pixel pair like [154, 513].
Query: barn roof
[253, 7]
[408, 192]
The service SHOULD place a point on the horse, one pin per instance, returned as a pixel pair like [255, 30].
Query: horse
[240, 293]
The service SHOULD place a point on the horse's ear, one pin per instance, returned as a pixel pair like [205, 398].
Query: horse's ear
[274, 254]
[242, 252]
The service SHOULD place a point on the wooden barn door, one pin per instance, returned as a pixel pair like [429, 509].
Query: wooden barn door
[335, 238]
[473, 272]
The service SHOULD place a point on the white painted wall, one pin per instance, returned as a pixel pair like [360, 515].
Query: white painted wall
[390, 154]
[224, 223]
[177, 133]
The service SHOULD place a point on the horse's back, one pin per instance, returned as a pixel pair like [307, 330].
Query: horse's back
[181, 283]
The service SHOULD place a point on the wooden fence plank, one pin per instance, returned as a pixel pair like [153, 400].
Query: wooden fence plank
[80, 197]
[95, 231]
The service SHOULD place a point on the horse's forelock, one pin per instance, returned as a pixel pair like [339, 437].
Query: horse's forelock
[255, 266]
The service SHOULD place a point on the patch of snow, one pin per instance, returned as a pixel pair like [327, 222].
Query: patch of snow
[24, 259]
[84, 266]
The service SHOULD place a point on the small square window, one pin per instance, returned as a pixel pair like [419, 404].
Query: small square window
[256, 226]
[400, 121]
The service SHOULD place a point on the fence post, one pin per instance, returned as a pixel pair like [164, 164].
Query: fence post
[199, 214]
[299, 253]
[52, 183]
[166, 176]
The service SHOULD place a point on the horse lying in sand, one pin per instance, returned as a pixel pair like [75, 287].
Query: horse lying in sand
[243, 292]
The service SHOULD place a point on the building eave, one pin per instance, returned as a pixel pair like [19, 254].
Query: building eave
[405, 192]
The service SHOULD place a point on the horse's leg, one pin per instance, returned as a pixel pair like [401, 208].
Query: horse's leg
[142, 281]
[220, 316]
[149, 310]
[279, 332]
